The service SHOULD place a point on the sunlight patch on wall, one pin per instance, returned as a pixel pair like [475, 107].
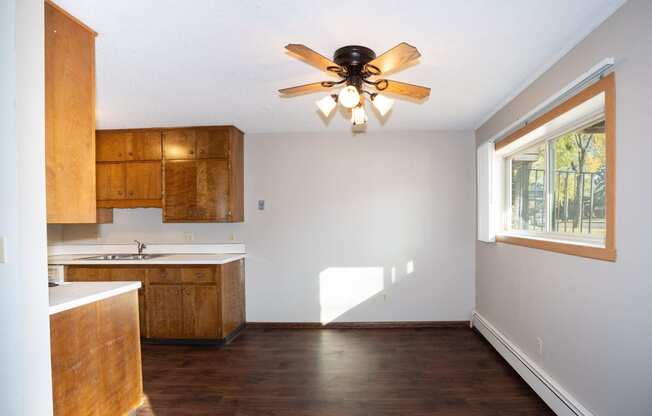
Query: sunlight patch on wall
[343, 288]
[409, 267]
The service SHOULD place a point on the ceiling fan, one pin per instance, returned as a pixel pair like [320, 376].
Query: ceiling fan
[358, 67]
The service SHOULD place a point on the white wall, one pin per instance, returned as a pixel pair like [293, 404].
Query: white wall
[349, 209]
[25, 385]
[593, 316]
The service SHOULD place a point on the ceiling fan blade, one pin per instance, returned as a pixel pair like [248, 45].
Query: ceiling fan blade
[394, 58]
[402, 88]
[304, 89]
[313, 58]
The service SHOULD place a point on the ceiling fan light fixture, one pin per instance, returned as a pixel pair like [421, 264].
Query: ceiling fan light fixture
[349, 96]
[359, 69]
[382, 103]
[358, 115]
[327, 104]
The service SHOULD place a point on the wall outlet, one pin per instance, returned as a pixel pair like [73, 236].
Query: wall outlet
[3, 249]
[539, 346]
[261, 205]
[188, 237]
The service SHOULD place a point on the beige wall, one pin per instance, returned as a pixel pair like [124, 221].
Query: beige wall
[593, 316]
[340, 206]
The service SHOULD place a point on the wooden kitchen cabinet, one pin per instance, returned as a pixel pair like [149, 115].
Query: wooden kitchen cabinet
[196, 190]
[180, 302]
[179, 143]
[128, 145]
[69, 118]
[96, 360]
[200, 312]
[203, 170]
[143, 180]
[233, 292]
[129, 168]
[110, 181]
[114, 274]
[165, 311]
[129, 184]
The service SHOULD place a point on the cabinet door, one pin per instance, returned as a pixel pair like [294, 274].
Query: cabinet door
[179, 144]
[200, 312]
[111, 146]
[143, 180]
[213, 143]
[213, 190]
[69, 119]
[180, 202]
[165, 311]
[144, 145]
[110, 181]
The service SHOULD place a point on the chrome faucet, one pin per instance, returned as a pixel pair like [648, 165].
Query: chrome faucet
[141, 247]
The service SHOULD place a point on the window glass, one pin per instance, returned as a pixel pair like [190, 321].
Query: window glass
[528, 171]
[580, 182]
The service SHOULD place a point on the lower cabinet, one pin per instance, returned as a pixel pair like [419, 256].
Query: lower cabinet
[202, 302]
[164, 311]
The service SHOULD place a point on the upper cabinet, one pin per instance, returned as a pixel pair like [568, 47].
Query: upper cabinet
[129, 168]
[128, 145]
[203, 174]
[69, 118]
[196, 174]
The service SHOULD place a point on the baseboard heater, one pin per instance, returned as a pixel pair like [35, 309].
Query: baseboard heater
[358, 325]
[555, 396]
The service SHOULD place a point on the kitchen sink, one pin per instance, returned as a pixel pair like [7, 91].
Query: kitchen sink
[118, 257]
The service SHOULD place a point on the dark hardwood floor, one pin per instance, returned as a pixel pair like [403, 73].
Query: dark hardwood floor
[437, 371]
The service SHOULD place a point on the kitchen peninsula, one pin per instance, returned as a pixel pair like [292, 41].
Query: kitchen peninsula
[95, 347]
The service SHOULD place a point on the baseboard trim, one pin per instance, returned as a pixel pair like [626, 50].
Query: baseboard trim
[359, 325]
[555, 396]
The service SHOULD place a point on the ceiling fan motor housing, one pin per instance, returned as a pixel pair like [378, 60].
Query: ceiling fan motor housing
[353, 57]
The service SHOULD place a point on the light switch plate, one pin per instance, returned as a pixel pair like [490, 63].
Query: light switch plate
[261, 204]
[3, 249]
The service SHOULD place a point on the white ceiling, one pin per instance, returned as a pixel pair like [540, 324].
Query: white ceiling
[171, 62]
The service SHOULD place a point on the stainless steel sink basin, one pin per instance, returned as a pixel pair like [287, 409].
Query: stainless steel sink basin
[118, 257]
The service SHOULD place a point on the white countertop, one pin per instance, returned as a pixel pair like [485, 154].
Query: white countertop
[71, 295]
[78, 259]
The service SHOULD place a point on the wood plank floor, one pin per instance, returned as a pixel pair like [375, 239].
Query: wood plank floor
[337, 372]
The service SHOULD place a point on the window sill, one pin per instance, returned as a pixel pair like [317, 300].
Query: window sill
[581, 250]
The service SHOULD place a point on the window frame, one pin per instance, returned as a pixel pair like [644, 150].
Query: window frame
[553, 241]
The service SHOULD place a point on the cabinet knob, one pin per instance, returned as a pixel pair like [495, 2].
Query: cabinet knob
[131, 193]
[131, 154]
[192, 152]
[120, 193]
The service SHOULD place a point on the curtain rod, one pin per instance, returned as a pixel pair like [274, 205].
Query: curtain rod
[589, 77]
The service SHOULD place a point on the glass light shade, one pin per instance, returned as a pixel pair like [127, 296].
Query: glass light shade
[349, 96]
[382, 104]
[358, 115]
[326, 105]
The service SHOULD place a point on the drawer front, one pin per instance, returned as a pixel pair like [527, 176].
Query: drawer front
[198, 275]
[170, 275]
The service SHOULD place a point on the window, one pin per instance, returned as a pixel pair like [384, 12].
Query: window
[558, 171]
